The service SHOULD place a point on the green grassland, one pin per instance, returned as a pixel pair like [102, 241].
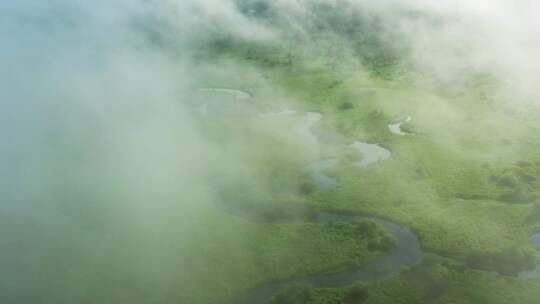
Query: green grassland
[464, 179]
[253, 253]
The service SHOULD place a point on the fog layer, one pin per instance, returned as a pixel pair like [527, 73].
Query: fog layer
[107, 175]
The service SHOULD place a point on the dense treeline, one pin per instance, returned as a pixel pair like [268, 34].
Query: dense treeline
[341, 23]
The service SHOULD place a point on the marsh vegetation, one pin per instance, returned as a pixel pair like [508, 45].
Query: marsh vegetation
[321, 152]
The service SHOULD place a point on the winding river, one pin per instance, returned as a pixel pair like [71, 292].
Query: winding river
[407, 251]
[396, 128]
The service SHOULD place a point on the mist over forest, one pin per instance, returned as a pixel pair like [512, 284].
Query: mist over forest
[269, 151]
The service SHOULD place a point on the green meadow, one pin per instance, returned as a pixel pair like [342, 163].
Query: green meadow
[463, 178]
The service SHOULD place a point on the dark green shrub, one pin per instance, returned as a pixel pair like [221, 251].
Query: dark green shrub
[382, 243]
[356, 295]
[366, 229]
[509, 262]
[346, 106]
